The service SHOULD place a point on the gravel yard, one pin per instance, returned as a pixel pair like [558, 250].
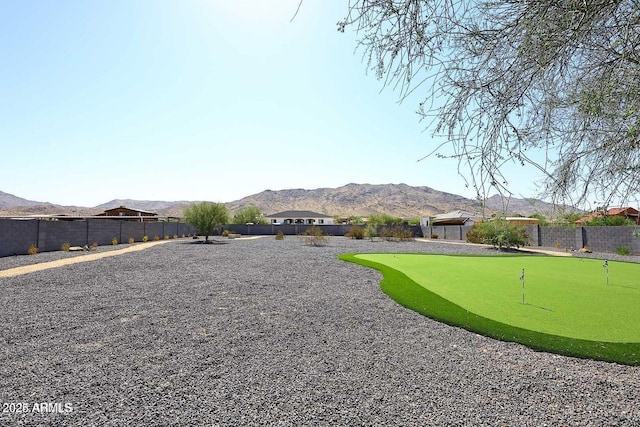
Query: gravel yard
[266, 332]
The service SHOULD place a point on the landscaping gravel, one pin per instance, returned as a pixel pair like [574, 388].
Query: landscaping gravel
[266, 332]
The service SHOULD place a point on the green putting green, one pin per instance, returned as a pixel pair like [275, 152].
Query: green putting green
[569, 307]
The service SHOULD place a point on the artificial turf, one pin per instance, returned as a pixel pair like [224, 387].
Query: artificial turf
[569, 307]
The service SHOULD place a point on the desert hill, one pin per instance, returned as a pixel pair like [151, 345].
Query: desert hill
[352, 199]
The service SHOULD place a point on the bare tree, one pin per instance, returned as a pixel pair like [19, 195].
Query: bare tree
[505, 81]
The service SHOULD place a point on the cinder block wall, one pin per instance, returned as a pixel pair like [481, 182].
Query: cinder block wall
[559, 237]
[52, 234]
[16, 236]
[609, 239]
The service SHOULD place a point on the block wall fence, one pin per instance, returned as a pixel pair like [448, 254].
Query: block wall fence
[599, 239]
[16, 236]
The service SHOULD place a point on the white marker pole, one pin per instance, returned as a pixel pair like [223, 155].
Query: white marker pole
[606, 267]
[522, 278]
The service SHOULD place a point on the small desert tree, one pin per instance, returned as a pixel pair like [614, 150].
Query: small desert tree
[206, 216]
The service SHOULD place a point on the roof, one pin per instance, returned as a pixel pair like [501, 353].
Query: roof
[129, 209]
[453, 217]
[628, 211]
[298, 214]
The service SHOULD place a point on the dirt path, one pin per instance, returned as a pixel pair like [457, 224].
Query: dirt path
[25, 269]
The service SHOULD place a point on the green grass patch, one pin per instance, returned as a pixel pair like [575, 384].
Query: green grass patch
[569, 307]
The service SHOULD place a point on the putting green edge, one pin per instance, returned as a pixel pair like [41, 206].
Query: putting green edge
[411, 295]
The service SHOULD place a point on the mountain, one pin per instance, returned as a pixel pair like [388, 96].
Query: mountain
[365, 199]
[13, 205]
[352, 199]
[143, 205]
[9, 201]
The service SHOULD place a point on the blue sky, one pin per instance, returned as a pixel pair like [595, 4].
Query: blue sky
[199, 100]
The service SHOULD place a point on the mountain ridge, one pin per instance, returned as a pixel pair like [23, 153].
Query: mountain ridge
[348, 200]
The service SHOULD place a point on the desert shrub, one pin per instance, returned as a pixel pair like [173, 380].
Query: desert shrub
[145, 238]
[225, 233]
[65, 246]
[33, 249]
[371, 231]
[114, 241]
[434, 236]
[175, 236]
[280, 235]
[498, 233]
[131, 240]
[166, 237]
[622, 250]
[156, 238]
[313, 236]
[94, 245]
[396, 233]
[355, 233]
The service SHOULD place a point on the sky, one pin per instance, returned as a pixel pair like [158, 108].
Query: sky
[200, 100]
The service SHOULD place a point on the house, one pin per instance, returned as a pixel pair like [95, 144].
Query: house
[300, 217]
[629, 213]
[128, 213]
[457, 217]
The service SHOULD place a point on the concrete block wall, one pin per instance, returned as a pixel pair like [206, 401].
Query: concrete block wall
[52, 234]
[559, 237]
[103, 231]
[609, 239]
[16, 236]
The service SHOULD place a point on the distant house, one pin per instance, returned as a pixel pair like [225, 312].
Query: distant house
[128, 213]
[300, 217]
[629, 213]
[457, 217]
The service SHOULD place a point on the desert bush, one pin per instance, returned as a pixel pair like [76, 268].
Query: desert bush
[498, 233]
[226, 233]
[156, 238]
[622, 250]
[280, 235]
[434, 236]
[396, 233]
[145, 238]
[371, 231]
[65, 246]
[94, 245]
[313, 236]
[175, 236]
[131, 240]
[114, 241]
[166, 237]
[355, 233]
[33, 249]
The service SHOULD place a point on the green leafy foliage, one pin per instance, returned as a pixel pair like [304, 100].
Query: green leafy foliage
[250, 214]
[385, 219]
[609, 220]
[206, 216]
[499, 233]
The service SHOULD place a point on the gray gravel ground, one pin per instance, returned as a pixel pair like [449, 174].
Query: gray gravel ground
[266, 332]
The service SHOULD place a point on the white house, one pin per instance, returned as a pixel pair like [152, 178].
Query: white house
[300, 217]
